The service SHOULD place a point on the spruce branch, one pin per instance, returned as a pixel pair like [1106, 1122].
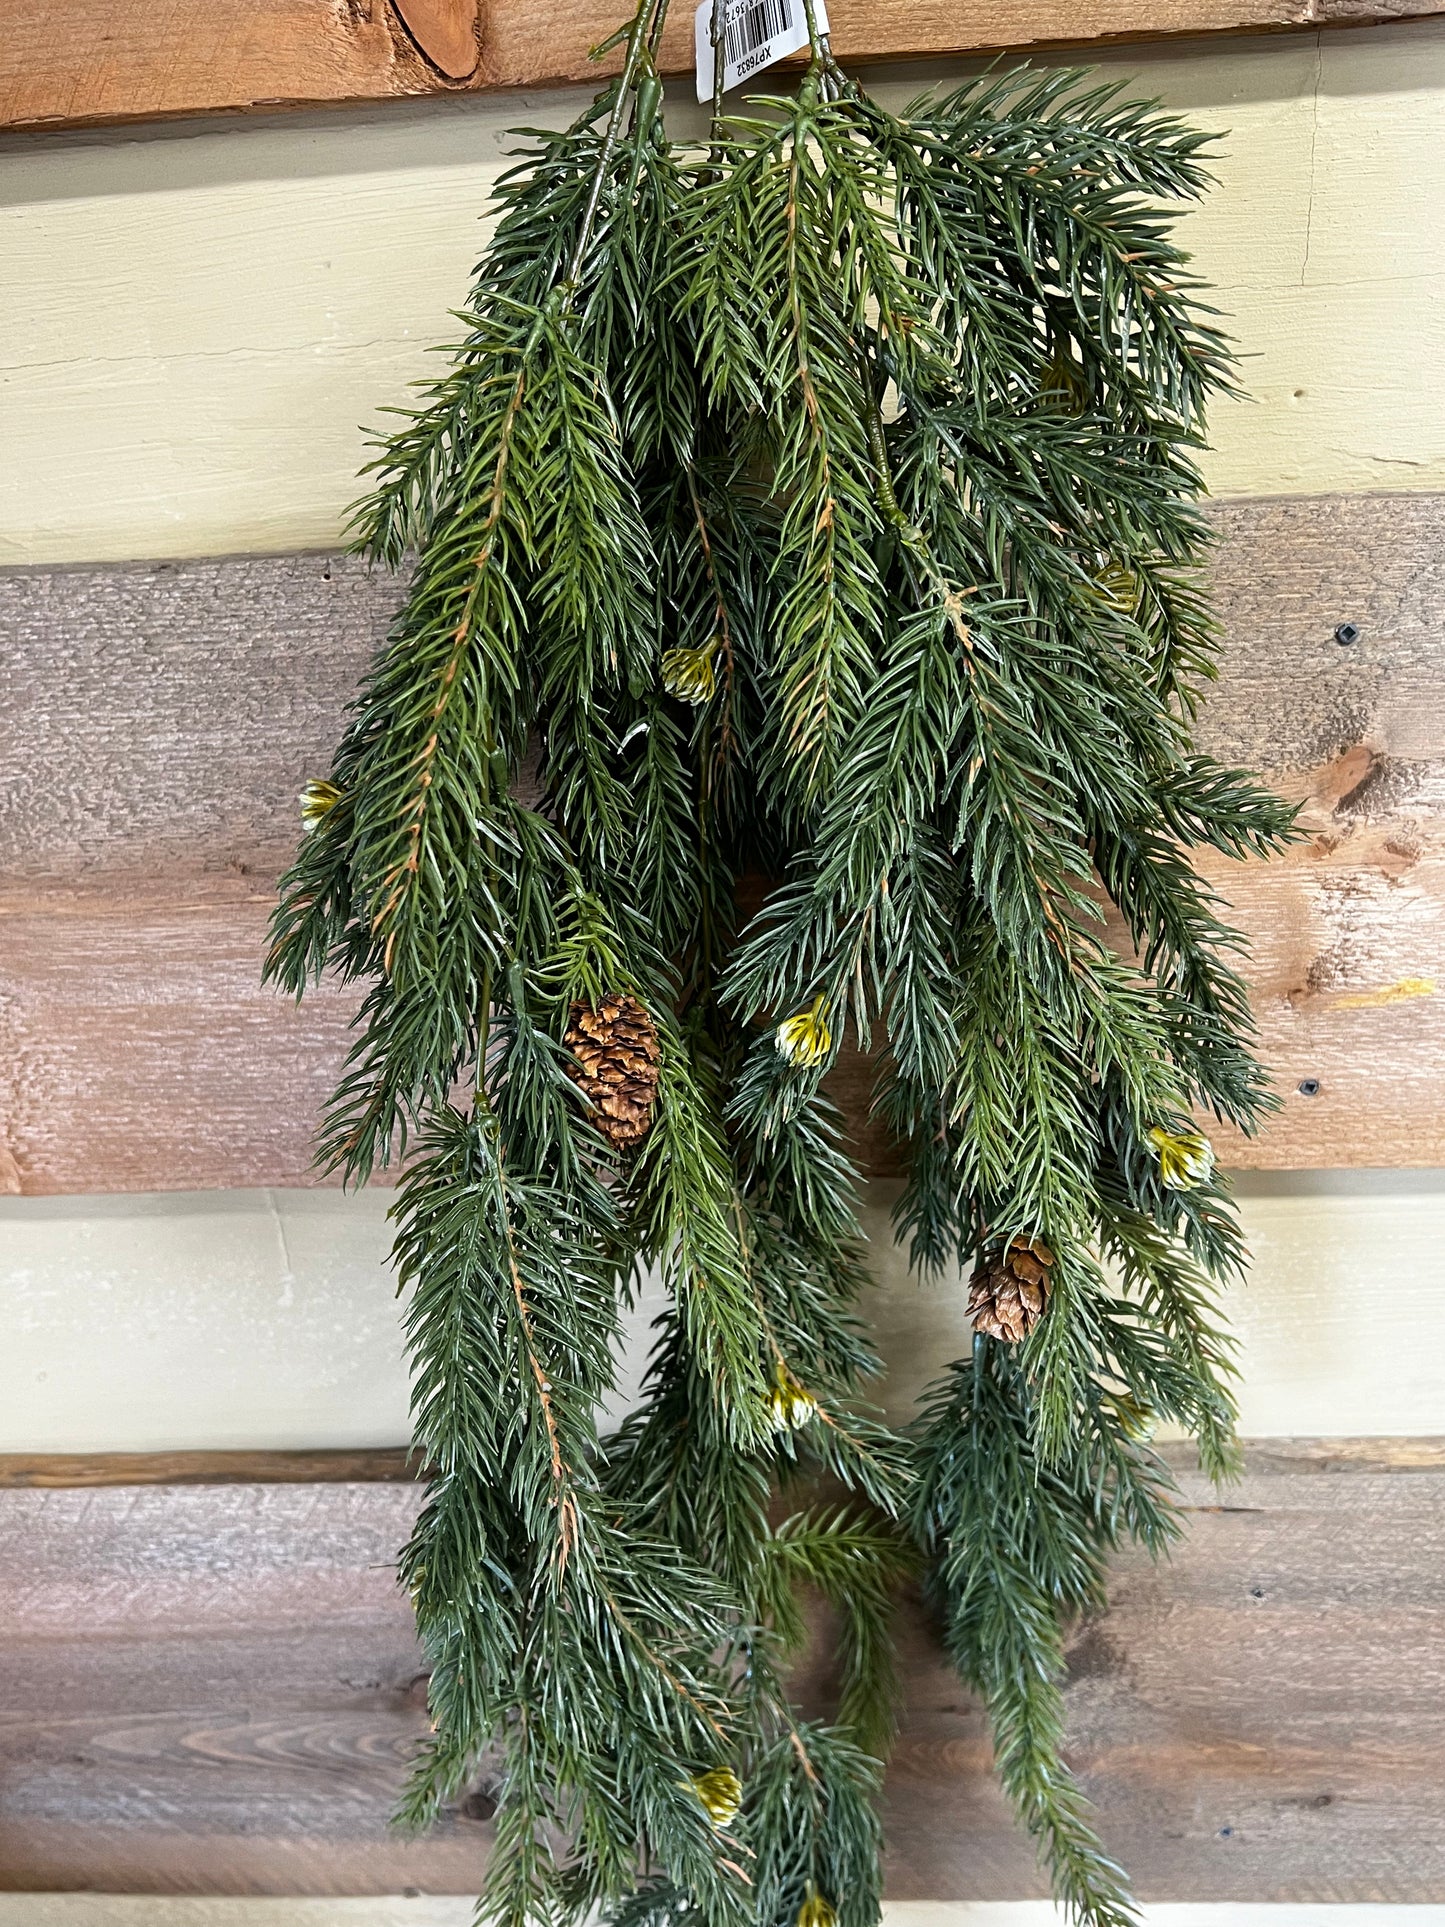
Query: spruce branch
[803, 632]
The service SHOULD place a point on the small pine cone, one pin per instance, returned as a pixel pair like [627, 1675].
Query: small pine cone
[617, 1053]
[1009, 1295]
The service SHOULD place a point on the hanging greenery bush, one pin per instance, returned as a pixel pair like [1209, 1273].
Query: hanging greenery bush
[805, 521]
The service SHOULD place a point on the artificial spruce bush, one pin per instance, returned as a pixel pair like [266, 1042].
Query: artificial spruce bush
[808, 518]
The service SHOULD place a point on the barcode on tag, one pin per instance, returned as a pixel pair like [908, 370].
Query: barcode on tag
[755, 34]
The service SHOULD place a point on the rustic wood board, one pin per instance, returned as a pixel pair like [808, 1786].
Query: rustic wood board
[140, 1052]
[159, 719]
[214, 1689]
[96, 60]
[1261, 1720]
[396, 1465]
[1347, 933]
[362, 1466]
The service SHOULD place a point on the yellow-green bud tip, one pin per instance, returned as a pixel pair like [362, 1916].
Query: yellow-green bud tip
[1064, 384]
[1119, 587]
[317, 799]
[816, 1911]
[691, 674]
[805, 1037]
[721, 1794]
[1136, 1421]
[790, 1405]
[1186, 1158]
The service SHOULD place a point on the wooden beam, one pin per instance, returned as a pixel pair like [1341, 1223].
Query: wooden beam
[396, 1464]
[156, 722]
[366, 1466]
[1241, 1718]
[215, 1690]
[65, 62]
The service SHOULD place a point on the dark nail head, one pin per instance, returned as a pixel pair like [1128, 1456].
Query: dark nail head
[1308, 1087]
[1347, 633]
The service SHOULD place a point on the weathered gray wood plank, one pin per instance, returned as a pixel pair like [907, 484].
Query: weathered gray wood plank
[1261, 1720]
[214, 1689]
[159, 717]
[156, 722]
[211, 1689]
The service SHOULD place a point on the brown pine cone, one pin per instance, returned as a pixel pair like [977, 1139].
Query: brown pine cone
[617, 1052]
[1009, 1295]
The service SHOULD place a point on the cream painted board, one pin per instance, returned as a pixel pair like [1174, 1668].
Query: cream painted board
[195, 321]
[1341, 1323]
[254, 1319]
[230, 1319]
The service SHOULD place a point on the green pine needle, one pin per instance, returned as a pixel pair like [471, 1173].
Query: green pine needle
[802, 636]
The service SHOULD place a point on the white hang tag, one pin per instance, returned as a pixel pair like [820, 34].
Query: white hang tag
[755, 34]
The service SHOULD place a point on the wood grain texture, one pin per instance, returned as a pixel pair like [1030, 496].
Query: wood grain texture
[158, 721]
[445, 31]
[392, 1465]
[105, 60]
[1245, 1719]
[61, 1470]
[1346, 933]
[215, 1690]
[411, 1908]
[212, 1689]
[139, 1050]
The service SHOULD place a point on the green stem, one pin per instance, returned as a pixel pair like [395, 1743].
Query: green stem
[719, 53]
[878, 448]
[649, 13]
[484, 1031]
[817, 41]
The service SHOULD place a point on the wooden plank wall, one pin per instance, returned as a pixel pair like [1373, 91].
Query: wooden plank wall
[196, 324]
[158, 721]
[187, 59]
[216, 1687]
[213, 1686]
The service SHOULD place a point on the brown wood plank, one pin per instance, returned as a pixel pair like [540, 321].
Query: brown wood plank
[156, 722]
[362, 1466]
[1346, 962]
[1346, 933]
[372, 1465]
[64, 62]
[140, 1052]
[215, 1689]
[1249, 1720]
